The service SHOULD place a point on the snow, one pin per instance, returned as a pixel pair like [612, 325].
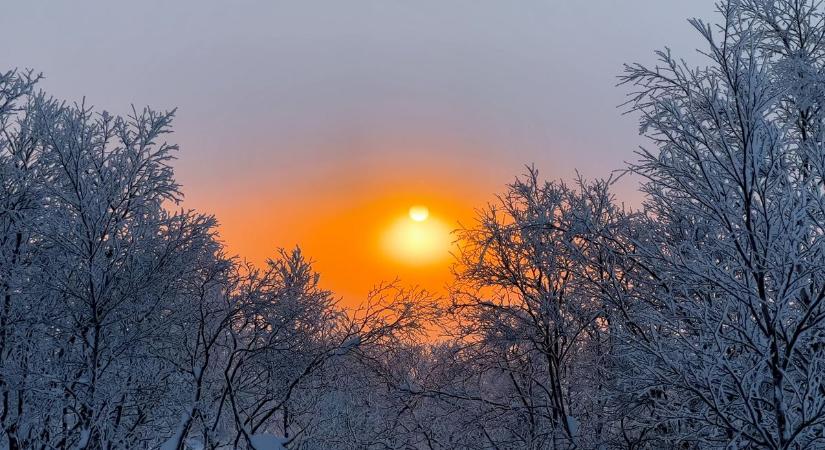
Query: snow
[267, 442]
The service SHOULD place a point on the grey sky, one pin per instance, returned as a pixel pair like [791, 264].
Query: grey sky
[274, 96]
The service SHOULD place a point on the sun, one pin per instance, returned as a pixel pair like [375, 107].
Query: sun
[417, 239]
[419, 213]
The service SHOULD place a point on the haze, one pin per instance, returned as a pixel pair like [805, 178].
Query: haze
[318, 123]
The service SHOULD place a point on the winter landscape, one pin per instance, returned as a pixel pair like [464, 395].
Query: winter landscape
[672, 301]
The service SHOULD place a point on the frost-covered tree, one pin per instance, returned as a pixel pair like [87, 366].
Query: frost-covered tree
[92, 260]
[358, 400]
[19, 208]
[725, 343]
[533, 329]
[123, 323]
[266, 353]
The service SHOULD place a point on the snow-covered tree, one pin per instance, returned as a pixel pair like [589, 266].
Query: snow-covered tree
[103, 265]
[726, 337]
[534, 331]
[19, 208]
[266, 352]
[125, 325]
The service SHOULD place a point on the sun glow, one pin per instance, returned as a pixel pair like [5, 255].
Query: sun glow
[419, 213]
[418, 239]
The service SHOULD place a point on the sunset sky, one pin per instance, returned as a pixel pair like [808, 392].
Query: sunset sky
[322, 123]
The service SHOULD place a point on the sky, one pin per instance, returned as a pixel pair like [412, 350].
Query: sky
[320, 123]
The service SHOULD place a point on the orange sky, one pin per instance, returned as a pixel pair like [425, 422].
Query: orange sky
[338, 209]
[342, 232]
[339, 215]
